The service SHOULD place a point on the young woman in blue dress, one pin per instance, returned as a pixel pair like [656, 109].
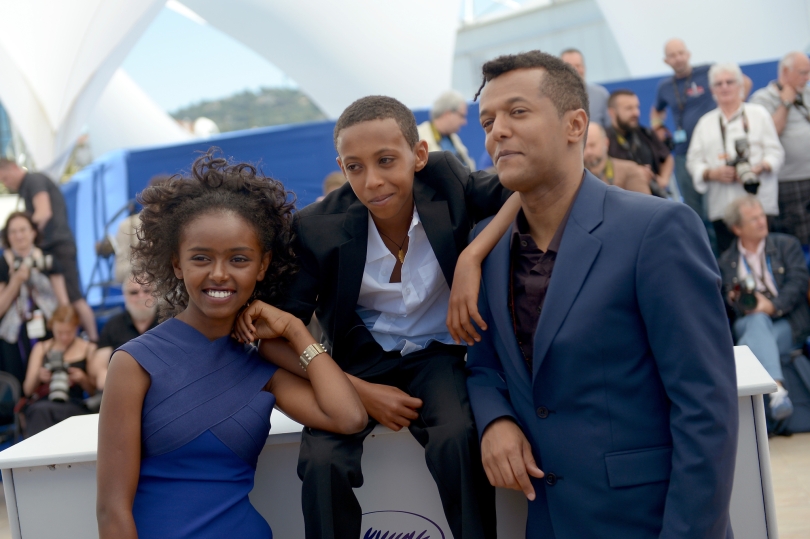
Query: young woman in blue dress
[186, 406]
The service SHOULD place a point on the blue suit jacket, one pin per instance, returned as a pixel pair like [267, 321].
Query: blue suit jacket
[632, 402]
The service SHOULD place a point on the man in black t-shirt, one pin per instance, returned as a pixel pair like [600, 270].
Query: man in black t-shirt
[139, 317]
[634, 142]
[44, 200]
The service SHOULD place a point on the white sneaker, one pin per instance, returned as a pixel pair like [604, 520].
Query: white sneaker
[781, 406]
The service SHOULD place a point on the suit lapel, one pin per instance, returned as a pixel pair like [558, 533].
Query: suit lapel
[435, 216]
[577, 254]
[352, 262]
[496, 267]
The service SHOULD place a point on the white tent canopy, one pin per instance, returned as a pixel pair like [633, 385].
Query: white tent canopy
[56, 58]
[339, 51]
[743, 31]
[125, 117]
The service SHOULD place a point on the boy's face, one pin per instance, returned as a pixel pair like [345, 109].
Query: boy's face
[380, 164]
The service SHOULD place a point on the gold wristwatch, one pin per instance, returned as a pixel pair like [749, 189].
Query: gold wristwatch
[309, 354]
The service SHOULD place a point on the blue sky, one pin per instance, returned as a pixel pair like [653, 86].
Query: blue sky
[179, 62]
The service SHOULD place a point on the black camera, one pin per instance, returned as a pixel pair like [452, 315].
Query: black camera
[742, 166]
[746, 299]
[59, 388]
[39, 261]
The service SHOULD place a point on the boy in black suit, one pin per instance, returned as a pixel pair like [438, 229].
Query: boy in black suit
[377, 258]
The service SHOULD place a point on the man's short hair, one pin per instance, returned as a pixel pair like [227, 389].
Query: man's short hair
[732, 216]
[561, 83]
[5, 163]
[728, 67]
[449, 101]
[572, 50]
[615, 94]
[379, 107]
[787, 61]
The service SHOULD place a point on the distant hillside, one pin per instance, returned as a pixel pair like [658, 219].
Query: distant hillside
[270, 106]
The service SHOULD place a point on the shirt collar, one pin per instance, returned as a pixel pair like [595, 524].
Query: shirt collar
[376, 247]
[749, 254]
[737, 114]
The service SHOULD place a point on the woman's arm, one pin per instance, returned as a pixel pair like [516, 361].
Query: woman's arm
[87, 380]
[10, 290]
[59, 288]
[463, 303]
[32, 378]
[119, 447]
[327, 400]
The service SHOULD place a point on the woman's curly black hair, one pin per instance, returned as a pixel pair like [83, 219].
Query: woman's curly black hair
[213, 185]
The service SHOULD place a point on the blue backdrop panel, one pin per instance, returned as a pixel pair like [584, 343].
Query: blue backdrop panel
[93, 196]
[298, 155]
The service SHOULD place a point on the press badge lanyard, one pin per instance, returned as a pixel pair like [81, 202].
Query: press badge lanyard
[761, 279]
[681, 104]
[723, 129]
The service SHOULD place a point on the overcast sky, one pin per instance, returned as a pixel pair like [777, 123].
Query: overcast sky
[179, 62]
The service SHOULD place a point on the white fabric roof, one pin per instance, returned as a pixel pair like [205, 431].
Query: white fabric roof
[340, 51]
[742, 31]
[125, 117]
[56, 58]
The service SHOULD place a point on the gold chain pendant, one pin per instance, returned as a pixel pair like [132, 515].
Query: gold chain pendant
[401, 256]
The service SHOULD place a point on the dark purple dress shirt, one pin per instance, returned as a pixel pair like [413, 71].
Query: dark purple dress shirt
[531, 274]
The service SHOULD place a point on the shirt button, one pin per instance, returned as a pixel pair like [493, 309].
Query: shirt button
[523, 243]
[539, 309]
[542, 412]
[407, 290]
[551, 479]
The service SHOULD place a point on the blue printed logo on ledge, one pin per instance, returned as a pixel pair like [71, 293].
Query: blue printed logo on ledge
[399, 525]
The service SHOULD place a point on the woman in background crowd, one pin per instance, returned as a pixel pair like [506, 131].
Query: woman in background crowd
[59, 373]
[31, 288]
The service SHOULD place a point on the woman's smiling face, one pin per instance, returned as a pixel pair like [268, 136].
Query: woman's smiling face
[219, 260]
[21, 235]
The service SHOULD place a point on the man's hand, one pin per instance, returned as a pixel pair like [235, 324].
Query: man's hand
[764, 305]
[463, 304]
[760, 168]
[390, 406]
[788, 93]
[723, 174]
[507, 457]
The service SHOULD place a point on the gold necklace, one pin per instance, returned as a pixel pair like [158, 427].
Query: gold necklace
[401, 253]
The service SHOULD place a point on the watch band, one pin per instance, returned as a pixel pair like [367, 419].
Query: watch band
[309, 354]
[787, 104]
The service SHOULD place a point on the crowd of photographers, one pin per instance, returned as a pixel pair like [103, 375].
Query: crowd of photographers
[741, 165]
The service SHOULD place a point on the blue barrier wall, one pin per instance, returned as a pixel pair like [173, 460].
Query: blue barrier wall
[298, 155]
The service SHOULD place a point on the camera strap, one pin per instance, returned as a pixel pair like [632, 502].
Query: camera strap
[681, 104]
[760, 279]
[723, 128]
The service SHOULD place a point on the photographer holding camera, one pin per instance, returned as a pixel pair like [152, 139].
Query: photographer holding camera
[734, 150]
[765, 280]
[59, 374]
[31, 287]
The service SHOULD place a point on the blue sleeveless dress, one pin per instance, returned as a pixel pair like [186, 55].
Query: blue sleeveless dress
[205, 421]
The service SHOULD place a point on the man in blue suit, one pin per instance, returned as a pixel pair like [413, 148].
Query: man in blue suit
[608, 362]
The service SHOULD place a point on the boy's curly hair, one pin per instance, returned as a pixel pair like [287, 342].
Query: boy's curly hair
[214, 185]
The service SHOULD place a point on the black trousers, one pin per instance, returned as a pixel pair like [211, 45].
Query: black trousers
[329, 464]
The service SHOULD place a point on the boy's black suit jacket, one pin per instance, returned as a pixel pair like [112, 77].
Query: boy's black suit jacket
[330, 243]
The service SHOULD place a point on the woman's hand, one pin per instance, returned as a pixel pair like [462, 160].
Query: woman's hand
[22, 274]
[263, 321]
[463, 304]
[44, 375]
